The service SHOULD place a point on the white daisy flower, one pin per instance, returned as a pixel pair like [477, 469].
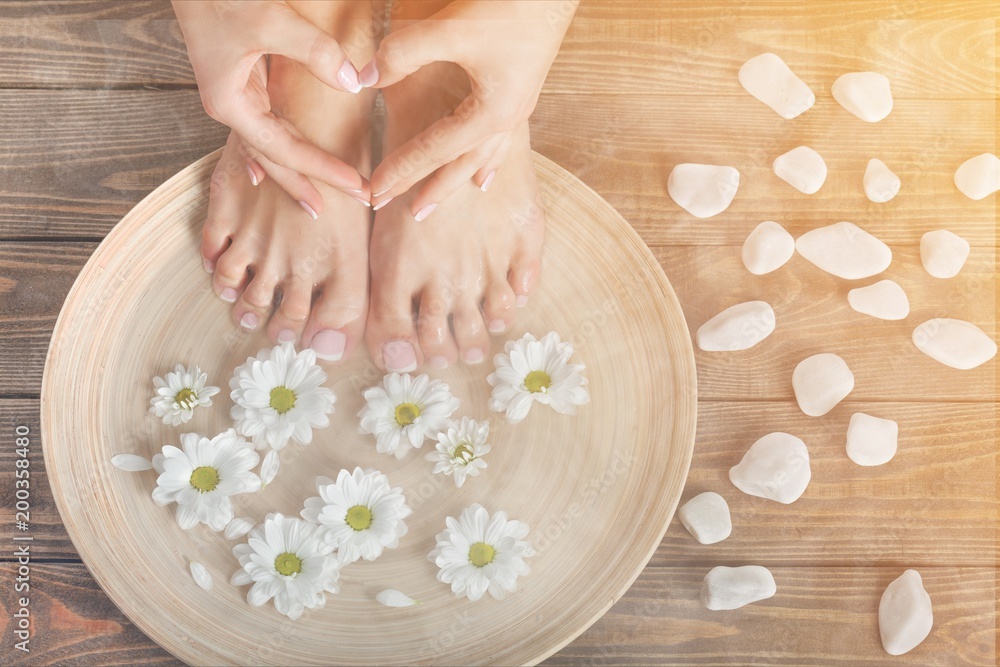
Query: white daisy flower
[202, 477]
[361, 513]
[403, 411]
[533, 370]
[479, 553]
[287, 559]
[460, 450]
[179, 393]
[279, 397]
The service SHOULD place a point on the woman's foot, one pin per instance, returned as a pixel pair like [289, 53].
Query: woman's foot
[441, 286]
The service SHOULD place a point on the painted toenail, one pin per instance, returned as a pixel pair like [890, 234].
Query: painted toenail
[381, 204]
[522, 300]
[422, 214]
[369, 75]
[437, 362]
[253, 176]
[497, 326]
[309, 210]
[286, 336]
[399, 356]
[474, 356]
[486, 182]
[208, 264]
[329, 345]
[348, 77]
[249, 321]
[228, 294]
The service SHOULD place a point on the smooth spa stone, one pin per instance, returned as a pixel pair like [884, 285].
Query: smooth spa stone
[802, 168]
[943, 253]
[706, 517]
[738, 327]
[767, 248]
[871, 441]
[905, 616]
[771, 81]
[954, 343]
[733, 587]
[820, 382]
[845, 250]
[885, 300]
[880, 183]
[864, 94]
[775, 467]
[703, 190]
[979, 177]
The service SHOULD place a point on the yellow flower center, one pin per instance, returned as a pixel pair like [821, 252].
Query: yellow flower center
[407, 413]
[359, 517]
[205, 478]
[463, 453]
[186, 398]
[537, 381]
[481, 554]
[282, 399]
[288, 564]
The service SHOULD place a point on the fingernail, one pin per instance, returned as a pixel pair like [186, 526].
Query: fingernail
[253, 176]
[363, 201]
[522, 300]
[348, 77]
[228, 294]
[379, 194]
[286, 336]
[249, 321]
[486, 183]
[474, 356]
[496, 326]
[309, 209]
[329, 345]
[399, 356]
[437, 362]
[369, 75]
[422, 214]
[208, 264]
[381, 204]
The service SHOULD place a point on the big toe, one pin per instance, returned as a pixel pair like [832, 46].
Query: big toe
[337, 320]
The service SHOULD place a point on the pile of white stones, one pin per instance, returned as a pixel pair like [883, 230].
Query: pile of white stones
[776, 466]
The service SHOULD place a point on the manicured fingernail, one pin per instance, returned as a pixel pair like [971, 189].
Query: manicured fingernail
[381, 204]
[522, 300]
[363, 201]
[228, 294]
[496, 326]
[309, 209]
[286, 336]
[348, 77]
[438, 362]
[422, 214]
[486, 183]
[249, 321]
[473, 356]
[253, 176]
[369, 75]
[329, 345]
[399, 356]
[208, 264]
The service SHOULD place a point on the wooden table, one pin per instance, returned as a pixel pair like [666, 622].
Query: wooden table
[98, 106]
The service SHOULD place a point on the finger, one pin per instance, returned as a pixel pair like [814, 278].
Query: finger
[453, 175]
[484, 177]
[255, 171]
[403, 52]
[295, 37]
[298, 187]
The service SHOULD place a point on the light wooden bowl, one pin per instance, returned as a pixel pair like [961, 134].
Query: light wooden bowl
[597, 489]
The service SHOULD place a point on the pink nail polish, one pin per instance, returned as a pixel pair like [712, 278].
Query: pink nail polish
[473, 357]
[363, 201]
[309, 210]
[348, 77]
[422, 214]
[496, 326]
[228, 294]
[329, 345]
[522, 300]
[399, 356]
[286, 336]
[249, 321]
[381, 204]
[379, 194]
[487, 182]
[438, 362]
[369, 75]
[253, 176]
[208, 264]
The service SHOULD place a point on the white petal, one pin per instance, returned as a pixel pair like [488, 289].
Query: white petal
[269, 468]
[130, 462]
[393, 598]
[202, 577]
[237, 528]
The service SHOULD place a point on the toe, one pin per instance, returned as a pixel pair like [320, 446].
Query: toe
[253, 308]
[470, 331]
[499, 306]
[523, 278]
[436, 342]
[290, 316]
[337, 320]
[230, 275]
[223, 210]
[390, 332]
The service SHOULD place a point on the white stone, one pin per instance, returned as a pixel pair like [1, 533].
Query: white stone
[885, 300]
[775, 467]
[979, 177]
[954, 343]
[771, 81]
[820, 382]
[871, 441]
[881, 184]
[905, 616]
[734, 587]
[767, 248]
[706, 517]
[802, 168]
[845, 250]
[943, 253]
[738, 327]
[703, 190]
[864, 94]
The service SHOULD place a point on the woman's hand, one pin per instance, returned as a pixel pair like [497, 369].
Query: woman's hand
[507, 49]
[226, 42]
